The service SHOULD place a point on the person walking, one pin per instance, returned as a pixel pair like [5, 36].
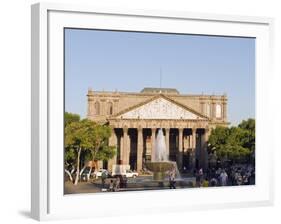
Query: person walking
[201, 175]
[116, 184]
[103, 178]
[111, 186]
[223, 178]
[172, 179]
[197, 179]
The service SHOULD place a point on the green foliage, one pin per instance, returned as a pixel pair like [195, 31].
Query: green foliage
[77, 135]
[250, 138]
[85, 140]
[69, 152]
[107, 153]
[90, 137]
[218, 136]
[249, 124]
[69, 118]
[234, 143]
[69, 155]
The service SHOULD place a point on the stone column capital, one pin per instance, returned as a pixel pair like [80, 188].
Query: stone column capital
[180, 129]
[125, 129]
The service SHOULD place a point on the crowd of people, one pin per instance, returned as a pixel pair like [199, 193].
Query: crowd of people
[233, 175]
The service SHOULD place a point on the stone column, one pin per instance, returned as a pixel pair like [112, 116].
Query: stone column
[213, 106]
[126, 146]
[121, 157]
[194, 138]
[112, 142]
[115, 106]
[202, 105]
[224, 111]
[100, 164]
[193, 148]
[90, 107]
[167, 140]
[180, 151]
[140, 149]
[205, 147]
[102, 107]
[190, 141]
[153, 134]
[201, 149]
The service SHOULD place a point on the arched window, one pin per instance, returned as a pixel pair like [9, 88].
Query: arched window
[218, 111]
[109, 108]
[97, 108]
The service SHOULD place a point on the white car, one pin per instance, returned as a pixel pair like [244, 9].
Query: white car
[130, 173]
[99, 173]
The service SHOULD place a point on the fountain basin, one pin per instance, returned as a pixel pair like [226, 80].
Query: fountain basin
[159, 169]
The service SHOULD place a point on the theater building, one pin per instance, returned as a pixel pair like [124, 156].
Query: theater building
[136, 117]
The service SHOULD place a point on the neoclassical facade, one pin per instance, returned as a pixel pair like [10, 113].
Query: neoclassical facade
[135, 119]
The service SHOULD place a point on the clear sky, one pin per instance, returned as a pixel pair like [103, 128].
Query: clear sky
[130, 61]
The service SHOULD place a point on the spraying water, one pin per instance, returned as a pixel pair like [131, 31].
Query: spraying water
[160, 152]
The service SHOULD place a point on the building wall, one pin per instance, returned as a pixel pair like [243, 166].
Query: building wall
[208, 105]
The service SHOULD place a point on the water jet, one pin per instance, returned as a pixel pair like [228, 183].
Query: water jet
[160, 164]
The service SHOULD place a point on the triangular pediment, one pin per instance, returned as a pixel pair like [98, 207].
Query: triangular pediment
[160, 108]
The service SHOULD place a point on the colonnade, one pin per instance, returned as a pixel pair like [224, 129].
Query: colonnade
[186, 146]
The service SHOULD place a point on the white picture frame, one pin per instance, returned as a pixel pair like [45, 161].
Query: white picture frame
[48, 201]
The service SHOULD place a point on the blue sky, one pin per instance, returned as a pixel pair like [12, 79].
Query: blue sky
[130, 61]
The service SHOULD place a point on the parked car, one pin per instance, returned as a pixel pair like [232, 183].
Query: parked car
[130, 173]
[99, 172]
[123, 170]
[86, 175]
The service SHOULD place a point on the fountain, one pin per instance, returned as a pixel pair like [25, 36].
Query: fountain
[160, 163]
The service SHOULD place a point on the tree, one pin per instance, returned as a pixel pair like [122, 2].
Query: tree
[234, 147]
[77, 138]
[70, 117]
[100, 136]
[249, 124]
[234, 143]
[89, 139]
[69, 161]
[250, 139]
[218, 136]
[69, 153]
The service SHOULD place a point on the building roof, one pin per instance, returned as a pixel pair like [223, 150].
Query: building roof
[160, 90]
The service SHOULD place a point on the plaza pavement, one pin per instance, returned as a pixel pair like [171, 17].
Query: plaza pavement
[133, 184]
